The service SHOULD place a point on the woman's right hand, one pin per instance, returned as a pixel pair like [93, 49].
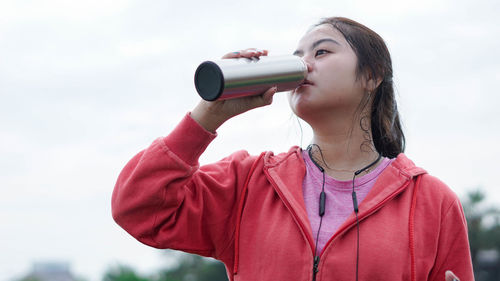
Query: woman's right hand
[212, 114]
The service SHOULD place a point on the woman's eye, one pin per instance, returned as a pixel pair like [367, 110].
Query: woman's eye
[321, 52]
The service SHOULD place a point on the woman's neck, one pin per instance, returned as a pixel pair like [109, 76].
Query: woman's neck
[343, 150]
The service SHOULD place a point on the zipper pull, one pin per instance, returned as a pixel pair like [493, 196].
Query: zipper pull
[315, 267]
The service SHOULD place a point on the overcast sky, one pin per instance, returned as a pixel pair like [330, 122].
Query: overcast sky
[86, 85]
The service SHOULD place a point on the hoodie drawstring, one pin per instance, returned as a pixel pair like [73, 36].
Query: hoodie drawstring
[412, 230]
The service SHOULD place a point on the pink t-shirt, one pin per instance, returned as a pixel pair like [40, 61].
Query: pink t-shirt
[338, 197]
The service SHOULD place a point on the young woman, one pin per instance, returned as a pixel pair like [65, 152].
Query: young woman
[351, 206]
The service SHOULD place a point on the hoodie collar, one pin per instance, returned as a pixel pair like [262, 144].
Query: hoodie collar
[287, 170]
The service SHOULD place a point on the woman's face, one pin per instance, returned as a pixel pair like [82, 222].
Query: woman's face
[331, 85]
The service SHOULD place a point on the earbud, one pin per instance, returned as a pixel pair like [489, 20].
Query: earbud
[309, 150]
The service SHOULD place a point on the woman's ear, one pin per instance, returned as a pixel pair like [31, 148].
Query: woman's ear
[371, 82]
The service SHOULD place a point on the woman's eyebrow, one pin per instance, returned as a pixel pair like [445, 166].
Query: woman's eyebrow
[315, 44]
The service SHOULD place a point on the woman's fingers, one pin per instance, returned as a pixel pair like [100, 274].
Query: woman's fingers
[247, 53]
[251, 102]
[252, 52]
[232, 55]
[244, 104]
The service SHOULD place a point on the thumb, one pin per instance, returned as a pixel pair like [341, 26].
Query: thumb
[263, 99]
[450, 276]
[268, 95]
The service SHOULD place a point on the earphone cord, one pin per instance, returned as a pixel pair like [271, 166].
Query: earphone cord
[355, 203]
[356, 209]
[321, 213]
[322, 203]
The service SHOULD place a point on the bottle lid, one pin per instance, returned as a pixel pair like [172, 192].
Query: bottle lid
[209, 81]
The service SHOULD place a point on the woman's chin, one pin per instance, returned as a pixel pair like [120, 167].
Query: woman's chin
[301, 106]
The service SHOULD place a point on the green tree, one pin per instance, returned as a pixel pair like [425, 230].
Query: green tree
[194, 268]
[29, 278]
[483, 224]
[123, 273]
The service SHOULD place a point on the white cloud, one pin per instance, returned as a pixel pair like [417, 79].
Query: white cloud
[151, 47]
[88, 11]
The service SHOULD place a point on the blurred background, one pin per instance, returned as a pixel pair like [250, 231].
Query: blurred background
[84, 85]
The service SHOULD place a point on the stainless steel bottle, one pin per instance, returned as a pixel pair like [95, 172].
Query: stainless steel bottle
[233, 78]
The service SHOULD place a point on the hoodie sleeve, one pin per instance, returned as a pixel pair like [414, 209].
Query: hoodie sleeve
[165, 199]
[453, 245]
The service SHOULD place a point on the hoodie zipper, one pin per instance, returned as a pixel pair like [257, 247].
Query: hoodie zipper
[315, 267]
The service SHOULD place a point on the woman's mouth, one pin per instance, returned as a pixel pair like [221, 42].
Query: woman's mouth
[306, 83]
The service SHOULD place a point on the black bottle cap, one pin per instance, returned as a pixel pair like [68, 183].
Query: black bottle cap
[209, 81]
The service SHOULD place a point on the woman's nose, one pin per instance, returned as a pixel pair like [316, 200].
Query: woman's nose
[309, 67]
[308, 64]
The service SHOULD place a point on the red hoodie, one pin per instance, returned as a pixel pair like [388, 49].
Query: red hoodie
[248, 212]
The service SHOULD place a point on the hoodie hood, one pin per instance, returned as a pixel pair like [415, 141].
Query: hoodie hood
[402, 163]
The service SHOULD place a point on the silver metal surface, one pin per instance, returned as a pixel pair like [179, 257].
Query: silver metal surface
[244, 77]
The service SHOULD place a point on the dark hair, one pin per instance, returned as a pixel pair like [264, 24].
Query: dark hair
[374, 61]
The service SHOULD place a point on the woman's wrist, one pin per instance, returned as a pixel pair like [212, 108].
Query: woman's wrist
[207, 118]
